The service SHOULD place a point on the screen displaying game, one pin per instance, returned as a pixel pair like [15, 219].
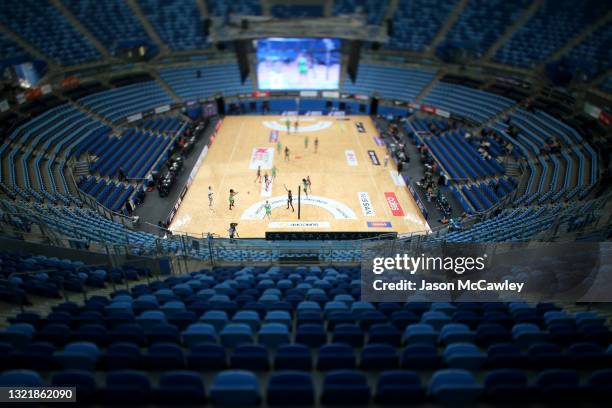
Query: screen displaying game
[298, 63]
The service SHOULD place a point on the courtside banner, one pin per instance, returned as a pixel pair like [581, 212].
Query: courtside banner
[397, 178]
[378, 141]
[351, 159]
[379, 224]
[360, 127]
[373, 157]
[366, 204]
[529, 272]
[394, 205]
[261, 156]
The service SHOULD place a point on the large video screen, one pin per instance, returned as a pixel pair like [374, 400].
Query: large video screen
[298, 63]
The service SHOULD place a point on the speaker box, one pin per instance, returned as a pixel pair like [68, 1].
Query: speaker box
[354, 54]
[221, 106]
[374, 106]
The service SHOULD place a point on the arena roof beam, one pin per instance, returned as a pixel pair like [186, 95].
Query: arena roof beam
[606, 19]
[352, 27]
[33, 51]
[518, 23]
[448, 24]
[79, 26]
[146, 24]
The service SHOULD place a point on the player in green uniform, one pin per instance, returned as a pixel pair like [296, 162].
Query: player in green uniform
[268, 208]
[231, 198]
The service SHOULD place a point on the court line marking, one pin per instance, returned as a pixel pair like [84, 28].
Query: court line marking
[336, 208]
[229, 161]
[367, 163]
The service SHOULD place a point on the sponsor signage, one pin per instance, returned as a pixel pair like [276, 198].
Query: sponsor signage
[309, 94]
[4, 105]
[299, 224]
[261, 157]
[366, 204]
[379, 224]
[360, 127]
[418, 201]
[162, 109]
[46, 89]
[209, 109]
[69, 82]
[330, 94]
[362, 97]
[428, 109]
[134, 118]
[398, 180]
[351, 159]
[260, 94]
[443, 113]
[373, 157]
[33, 93]
[394, 205]
[378, 141]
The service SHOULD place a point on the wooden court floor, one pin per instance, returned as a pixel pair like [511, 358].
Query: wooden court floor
[349, 190]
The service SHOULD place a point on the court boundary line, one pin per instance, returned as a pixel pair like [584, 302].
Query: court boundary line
[380, 195]
[229, 161]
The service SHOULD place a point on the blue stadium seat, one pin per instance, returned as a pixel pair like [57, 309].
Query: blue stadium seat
[235, 387]
[83, 381]
[204, 356]
[453, 386]
[378, 357]
[185, 387]
[508, 385]
[335, 356]
[290, 388]
[293, 357]
[398, 387]
[345, 387]
[252, 357]
[127, 386]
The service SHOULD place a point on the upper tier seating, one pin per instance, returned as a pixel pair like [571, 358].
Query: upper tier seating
[474, 104]
[34, 166]
[110, 195]
[220, 8]
[416, 23]
[594, 54]
[134, 153]
[374, 9]
[390, 82]
[519, 224]
[41, 24]
[118, 103]
[297, 11]
[193, 83]
[555, 22]
[482, 22]
[12, 53]
[177, 22]
[111, 21]
[606, 84]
